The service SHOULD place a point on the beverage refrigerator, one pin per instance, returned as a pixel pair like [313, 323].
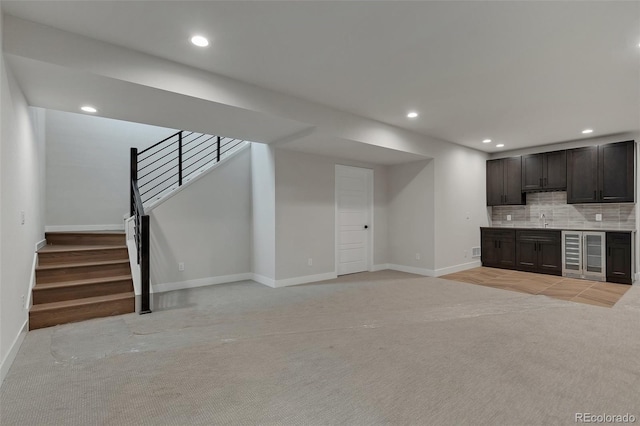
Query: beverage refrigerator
[583, 255]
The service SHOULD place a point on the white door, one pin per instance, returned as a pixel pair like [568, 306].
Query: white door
[353, 219]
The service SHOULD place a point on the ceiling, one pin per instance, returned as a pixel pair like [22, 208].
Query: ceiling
[521, 73]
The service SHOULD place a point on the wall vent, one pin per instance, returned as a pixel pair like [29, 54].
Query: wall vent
[475, 252]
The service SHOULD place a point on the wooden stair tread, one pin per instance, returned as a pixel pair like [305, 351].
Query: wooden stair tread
[88, 281]
[62, 248]
[81, 302]
[80, 264]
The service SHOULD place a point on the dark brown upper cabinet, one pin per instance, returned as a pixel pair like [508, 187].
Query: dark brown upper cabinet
[601, 174]
[544, 172]
[504, 182]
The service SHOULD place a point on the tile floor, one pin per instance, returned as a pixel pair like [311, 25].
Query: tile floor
[575, 290]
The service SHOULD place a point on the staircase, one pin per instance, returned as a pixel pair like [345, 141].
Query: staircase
[81, 275]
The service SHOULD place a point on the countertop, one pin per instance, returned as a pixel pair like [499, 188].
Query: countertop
[515, 228]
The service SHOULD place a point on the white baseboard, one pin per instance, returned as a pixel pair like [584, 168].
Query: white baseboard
[457, 268]
[201, 282]
[305, 279]
[40, 244]
[79, 228]
[380, 267]
[637, 277]
[412, 270]
[13, 351]
[269, 282]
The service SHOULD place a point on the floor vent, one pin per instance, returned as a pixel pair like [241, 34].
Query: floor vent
[475, 251]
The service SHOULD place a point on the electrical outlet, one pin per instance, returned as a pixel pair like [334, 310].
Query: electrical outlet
[598, 217]
[417, 256]
[310, 262]
[465, 254]
[508, 217]
[22, 301]
[22, 217]
[181, 266]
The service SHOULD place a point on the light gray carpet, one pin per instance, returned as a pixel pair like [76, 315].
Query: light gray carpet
[366, 349]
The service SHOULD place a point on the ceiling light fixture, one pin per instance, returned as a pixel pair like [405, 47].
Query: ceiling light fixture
[199, 41]
[500, 145]
[587, 131]
[412, 114]
[88, 108]
[486, 141]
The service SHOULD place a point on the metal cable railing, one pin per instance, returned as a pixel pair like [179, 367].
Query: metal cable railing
[161, 168]
[141, 235]
[173, 161]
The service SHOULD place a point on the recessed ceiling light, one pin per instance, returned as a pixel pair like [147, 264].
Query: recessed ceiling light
[88, 108]
[486, 141]
[586, 131]
[200, 41]
[412, 114]
[500, 145]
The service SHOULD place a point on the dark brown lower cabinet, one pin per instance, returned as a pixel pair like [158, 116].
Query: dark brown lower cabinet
[539, 251]
[619, 257]
[498, 248]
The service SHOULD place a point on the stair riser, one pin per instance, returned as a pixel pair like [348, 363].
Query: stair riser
[81, 273]
[80, 313]
[53, 258]
[46, 295]
[85, 239]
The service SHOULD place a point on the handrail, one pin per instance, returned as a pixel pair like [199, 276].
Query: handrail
[156, 144]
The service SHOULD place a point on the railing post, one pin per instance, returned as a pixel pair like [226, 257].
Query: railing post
[180, 159]
[218, 151]
[134, 177]
[145, 305]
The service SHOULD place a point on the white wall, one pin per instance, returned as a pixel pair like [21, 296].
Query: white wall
[305, 213]
[264, 213]
[411, 216]
[88, 167]
[21, 171]
[207, 226]
[460, 206]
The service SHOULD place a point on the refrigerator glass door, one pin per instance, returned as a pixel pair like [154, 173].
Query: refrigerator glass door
[572, 256]
[593, 257]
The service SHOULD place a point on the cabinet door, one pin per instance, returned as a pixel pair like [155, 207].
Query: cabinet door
[489, 251]
[619, 257]
[615, 167]
[550, 256]
[532, 179]
[513, 181]
[582, 175]
[507, 252]
[554, 175]
[495, 177]
[526, 251]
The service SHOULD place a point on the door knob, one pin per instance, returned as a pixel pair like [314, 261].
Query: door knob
[366, 227]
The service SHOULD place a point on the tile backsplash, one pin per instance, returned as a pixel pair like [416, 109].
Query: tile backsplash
[559, 214]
